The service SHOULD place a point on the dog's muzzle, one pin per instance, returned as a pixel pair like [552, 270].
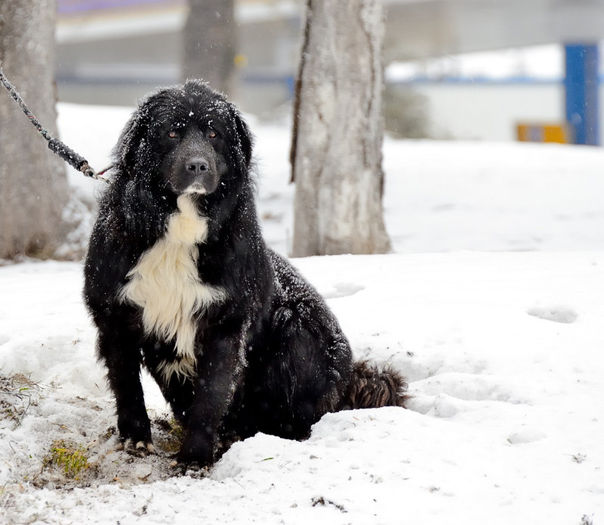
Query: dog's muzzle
[202, 176]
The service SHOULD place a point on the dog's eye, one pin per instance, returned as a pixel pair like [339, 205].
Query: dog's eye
[173, 134]
[212, 134]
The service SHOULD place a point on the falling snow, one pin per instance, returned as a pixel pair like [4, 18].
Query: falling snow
[491, 307]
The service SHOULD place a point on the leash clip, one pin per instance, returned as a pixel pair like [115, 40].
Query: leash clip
[89, 172]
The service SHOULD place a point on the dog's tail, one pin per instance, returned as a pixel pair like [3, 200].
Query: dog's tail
[372, 387]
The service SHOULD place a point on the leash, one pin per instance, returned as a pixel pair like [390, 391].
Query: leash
[55, 145]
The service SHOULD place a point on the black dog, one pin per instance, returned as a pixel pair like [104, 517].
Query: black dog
[178, 278]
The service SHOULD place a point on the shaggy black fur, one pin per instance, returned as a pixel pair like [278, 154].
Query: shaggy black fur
[271, 357]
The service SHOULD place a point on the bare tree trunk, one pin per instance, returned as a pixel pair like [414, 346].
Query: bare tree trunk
[33, 183]
[338, 131]
[209, 43]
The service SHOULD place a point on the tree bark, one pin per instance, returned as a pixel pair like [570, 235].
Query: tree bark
[210, 37]
[338, 131]
[33, 182]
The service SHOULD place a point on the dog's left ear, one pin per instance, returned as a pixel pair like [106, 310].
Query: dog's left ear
[244, 136]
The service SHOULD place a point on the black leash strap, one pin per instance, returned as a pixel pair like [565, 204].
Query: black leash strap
[55, 145]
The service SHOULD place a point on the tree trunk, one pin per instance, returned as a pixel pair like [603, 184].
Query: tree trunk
[209, 43]
[33, 183]
[338, 131]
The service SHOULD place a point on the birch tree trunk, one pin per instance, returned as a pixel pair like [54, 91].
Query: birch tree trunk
[33, 183]
[338, 131]
[209, 43]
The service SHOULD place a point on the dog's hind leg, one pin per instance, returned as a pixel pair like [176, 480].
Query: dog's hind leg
[306, 375]
[122, 358]
[177, 391]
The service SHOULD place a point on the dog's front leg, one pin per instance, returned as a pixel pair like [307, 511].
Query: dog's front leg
[218, 371]
[123, 371]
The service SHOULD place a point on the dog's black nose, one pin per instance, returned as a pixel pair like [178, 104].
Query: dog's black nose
[197, 165]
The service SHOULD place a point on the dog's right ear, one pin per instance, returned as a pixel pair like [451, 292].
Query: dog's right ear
[130, 139]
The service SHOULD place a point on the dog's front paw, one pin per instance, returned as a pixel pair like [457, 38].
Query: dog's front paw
[136, 448]
[196, 449]
[136, 430]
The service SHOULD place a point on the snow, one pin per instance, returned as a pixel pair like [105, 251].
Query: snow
[491, 306]
[545, 62]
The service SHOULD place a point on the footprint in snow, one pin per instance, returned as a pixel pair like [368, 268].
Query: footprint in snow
[525, 435]
[343, 290]
[557, 314]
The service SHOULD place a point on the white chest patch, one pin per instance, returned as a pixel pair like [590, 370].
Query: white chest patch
[165, 284]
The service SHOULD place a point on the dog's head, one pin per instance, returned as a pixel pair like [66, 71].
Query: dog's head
[188, 139]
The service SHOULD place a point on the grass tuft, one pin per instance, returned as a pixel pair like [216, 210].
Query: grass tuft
[72, 460]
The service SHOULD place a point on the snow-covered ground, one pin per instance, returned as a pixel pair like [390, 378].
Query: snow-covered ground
[491, 306]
